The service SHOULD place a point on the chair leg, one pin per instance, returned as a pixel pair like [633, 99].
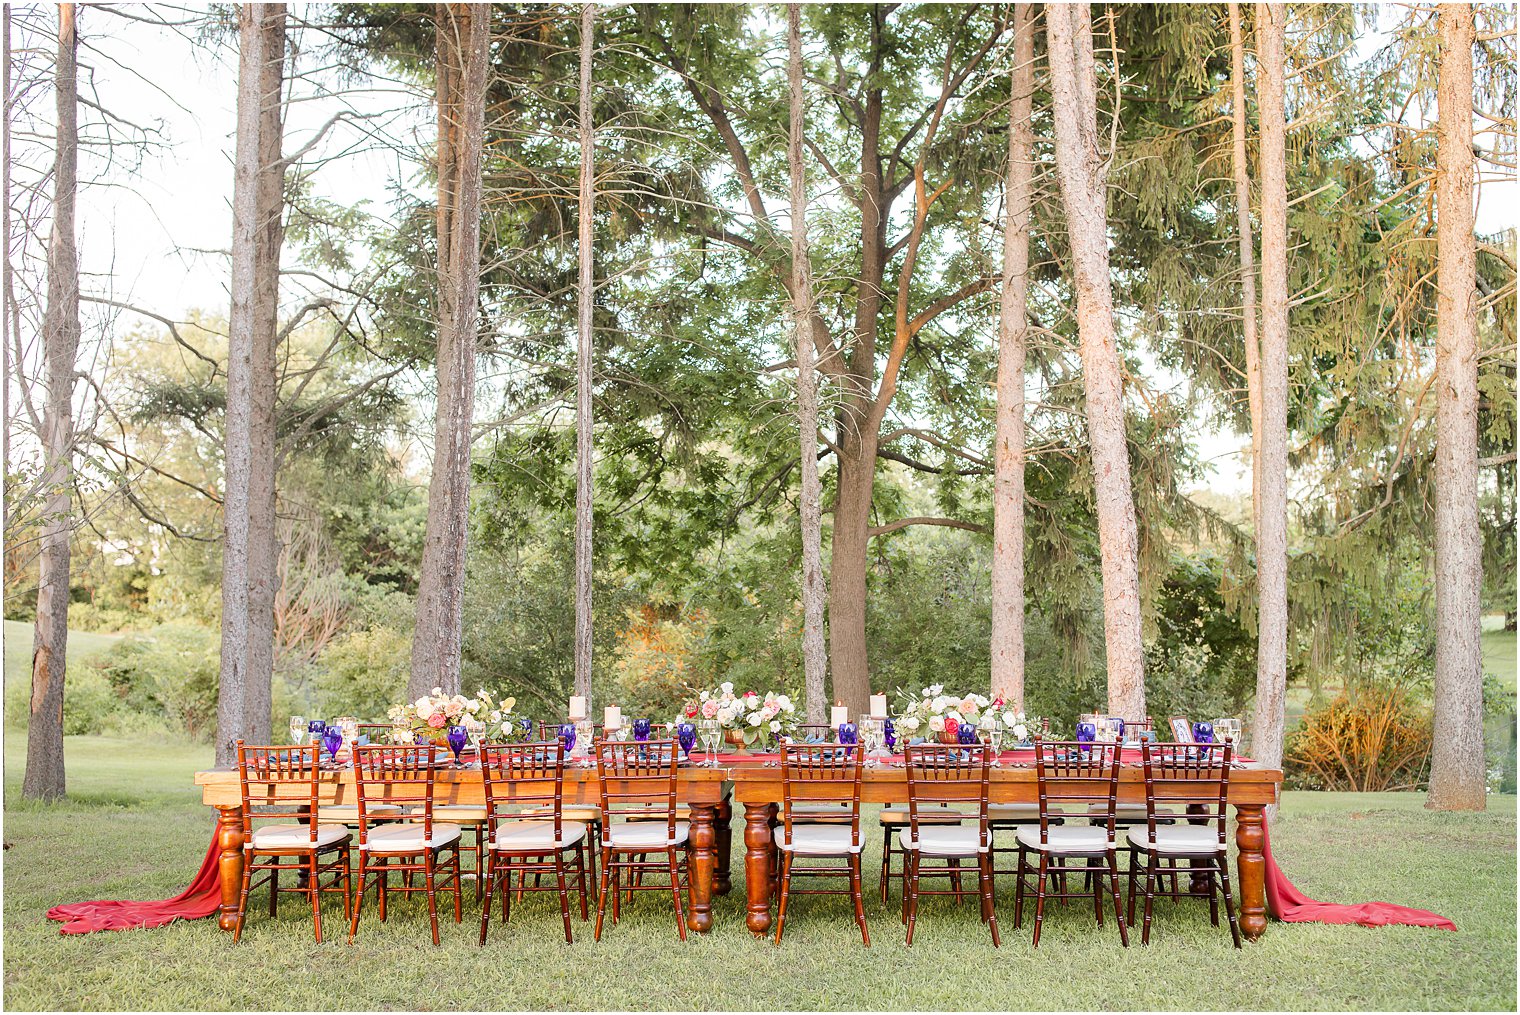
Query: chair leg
[274, 888]
[348, 882]
[955, 879]
[429, 887]
[1130, 876]
[911, 889]
[580, 874]
[1113, 890]
[314, 889]
[786, 893]
[989, 897]
[886, 861]
[1039, 897]
[1223, 860]
[1213, 900]
[384, 864]
[1094, 881]
[857, 894]
[485, 909]
[564, 894]
[242, 913]
[1152, 876]
[1018, 889]
[353, 920]
[601, 897]
[675, 891]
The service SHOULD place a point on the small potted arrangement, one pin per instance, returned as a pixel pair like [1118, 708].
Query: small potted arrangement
[746, 719]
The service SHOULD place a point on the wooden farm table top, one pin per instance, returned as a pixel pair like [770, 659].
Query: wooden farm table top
[710, 792]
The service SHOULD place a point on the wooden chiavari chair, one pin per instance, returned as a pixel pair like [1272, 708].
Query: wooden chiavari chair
[638, 789]
[528, 832]
[1071, 772]
[1175, 774]
[820, 774]
[282, 777]
[403, 776]
[944, 775]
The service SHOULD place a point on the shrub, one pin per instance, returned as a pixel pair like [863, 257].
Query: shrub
[654, 666]
[362, 673]
[170, 671]
[1377, 739]
[90, 703]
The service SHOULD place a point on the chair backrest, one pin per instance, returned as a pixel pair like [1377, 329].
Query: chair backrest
[550, 730]
[821, 773]
[376, 732]
[524, 782]
[946, 774]
[1075, 772]
[637, 781]
[820, 732]
[391, 776]
[1182, 730]
[1185, 774]
[278, 776]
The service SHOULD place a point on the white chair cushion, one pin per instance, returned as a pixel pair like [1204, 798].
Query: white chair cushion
[1013, 812]
[1074, 840]
[462, 814]
[531, 836]
[821, 807]
[570, 812]
[633, 834]
[816, 840]
[349, 813]
[408, 838]
[1130, 812]
[1190, 839]
[946, 840]
[294, 836]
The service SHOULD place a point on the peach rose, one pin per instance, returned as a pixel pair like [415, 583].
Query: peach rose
[436, 720]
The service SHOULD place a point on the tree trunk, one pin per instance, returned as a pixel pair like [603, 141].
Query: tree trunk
[814, 656]
[1081, 172]
[249, 549]
[1271, 493]
[583, 366]
[44, 778]
[1247, 247]
[463, 32]
[1013, 326]
[1457, 761]
[847, 576]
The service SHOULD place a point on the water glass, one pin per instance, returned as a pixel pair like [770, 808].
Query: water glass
[332, 740]
[567, 736]
[712, 734]
[686, 736]
[298, 730]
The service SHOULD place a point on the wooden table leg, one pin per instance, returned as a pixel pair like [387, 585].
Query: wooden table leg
[757, 865]
[700, 877]
[229, 835]
[1251, 863]
[723, 844]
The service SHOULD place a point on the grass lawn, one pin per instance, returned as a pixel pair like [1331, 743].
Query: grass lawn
[133, 827]
[18, 647]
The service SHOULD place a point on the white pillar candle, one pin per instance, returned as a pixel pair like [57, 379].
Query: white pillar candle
[879, 705]
[613, 717]
[577, 706]
[841, 715]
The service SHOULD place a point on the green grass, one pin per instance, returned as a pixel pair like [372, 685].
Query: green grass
[18, 648]
[133, 827]
[1499, 655]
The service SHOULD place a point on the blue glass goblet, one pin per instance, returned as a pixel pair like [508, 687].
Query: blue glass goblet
[1087, 732]
[686, 735]
[527, 728]
[567, 736]
[457, 737]
[847, 733]
[965, 733]
[889, 735]
[641, 729]
[316, 728]
[332, 740]
[1203, 733]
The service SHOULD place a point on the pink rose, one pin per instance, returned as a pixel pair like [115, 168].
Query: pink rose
[436, 720]
[967, 706]
[951, 724]
[709, 709]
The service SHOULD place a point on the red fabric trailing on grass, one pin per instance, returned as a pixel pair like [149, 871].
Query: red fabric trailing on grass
[1290, 905]
[201, 899]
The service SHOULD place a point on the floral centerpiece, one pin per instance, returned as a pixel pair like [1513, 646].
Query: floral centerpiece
[431, 716]
[746, 718]
[934, 715]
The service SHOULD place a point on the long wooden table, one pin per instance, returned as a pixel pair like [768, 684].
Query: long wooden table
[711, 792]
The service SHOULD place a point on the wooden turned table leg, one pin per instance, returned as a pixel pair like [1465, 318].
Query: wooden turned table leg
[757, 865]
[229, 836]
[723, 845]
[1251, 865]
[700, 877]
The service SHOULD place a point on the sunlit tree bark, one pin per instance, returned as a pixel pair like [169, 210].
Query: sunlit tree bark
[584, 449]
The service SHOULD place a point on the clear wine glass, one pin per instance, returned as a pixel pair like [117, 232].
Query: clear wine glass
[993, 728]
[712, 733]
[298, 730]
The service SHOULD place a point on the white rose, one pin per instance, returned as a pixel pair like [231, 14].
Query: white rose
[1021, 731]
[756, 719]
[928, 692]
[936, 689]
[437, 690]
[495, 716]
[784, 701]
[726, 687]
[776, 726]
[937, 723]
[424, 711]
[910, 723]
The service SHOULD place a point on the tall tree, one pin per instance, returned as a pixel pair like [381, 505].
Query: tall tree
[1456, 762]
[1248, 307]
[586, 292]
[44, 777]
[462, 33]
[1013, 331]
[1082, 171]
[814, 656]
[1271, 439]
[249, 548]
